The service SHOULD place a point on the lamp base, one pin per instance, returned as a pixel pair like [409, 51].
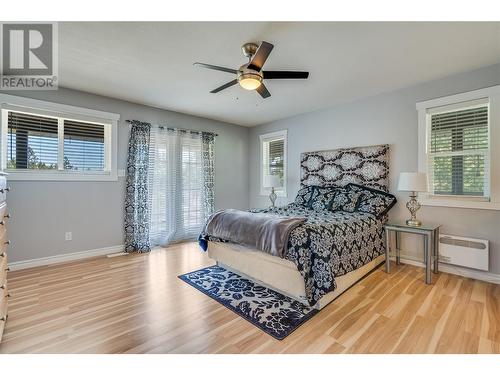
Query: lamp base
[413, 223]
[272, 197]
[413, 206]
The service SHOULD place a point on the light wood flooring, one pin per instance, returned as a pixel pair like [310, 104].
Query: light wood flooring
[136, 304]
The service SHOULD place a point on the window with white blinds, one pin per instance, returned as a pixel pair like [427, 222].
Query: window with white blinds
[273, 148]
[459, 151]
[175, 185]
[83, 146]
[32, 142]
[52, 144]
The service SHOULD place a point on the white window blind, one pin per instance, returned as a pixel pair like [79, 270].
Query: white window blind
[274, 157]
[83, 146]
[162, 192]
[192, 219]
[459, 154]
[176, 185]
[32, 142]
[49, 143]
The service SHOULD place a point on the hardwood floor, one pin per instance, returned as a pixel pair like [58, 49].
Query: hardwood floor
[136, 304]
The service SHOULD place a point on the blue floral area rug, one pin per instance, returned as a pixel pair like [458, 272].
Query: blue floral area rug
[272, 312]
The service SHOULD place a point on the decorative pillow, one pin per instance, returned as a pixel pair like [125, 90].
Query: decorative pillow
[346, 199]
[373, 201]
[304, 196]
[322, 198]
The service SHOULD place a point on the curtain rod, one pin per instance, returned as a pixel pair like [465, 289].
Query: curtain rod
[178, 129]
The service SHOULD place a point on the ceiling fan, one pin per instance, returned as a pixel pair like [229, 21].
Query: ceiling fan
[250, 76]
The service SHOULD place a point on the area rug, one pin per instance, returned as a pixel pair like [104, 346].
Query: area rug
[267, 309]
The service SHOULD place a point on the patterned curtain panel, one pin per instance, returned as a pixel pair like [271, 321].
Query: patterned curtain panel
[137, 212]
[208, 167]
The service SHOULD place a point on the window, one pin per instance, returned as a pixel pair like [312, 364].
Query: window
[40, 143]
[458, 138]
[83, 146]
[273, 160]
[176, 185]
[31, 142]
[459, 152]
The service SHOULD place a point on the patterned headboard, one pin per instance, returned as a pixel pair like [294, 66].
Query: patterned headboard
[368, 166]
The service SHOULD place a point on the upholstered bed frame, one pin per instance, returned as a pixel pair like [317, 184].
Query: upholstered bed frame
[368, 166]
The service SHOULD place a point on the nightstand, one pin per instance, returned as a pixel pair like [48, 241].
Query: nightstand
[430, 234]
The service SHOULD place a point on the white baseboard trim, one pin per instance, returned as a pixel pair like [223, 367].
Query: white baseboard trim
[20, 265]
[460, 271]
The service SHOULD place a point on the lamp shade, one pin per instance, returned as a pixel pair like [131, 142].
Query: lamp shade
[412, 181]
[272, 181]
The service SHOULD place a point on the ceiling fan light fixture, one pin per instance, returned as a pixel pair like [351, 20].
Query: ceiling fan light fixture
[250, 76]
[250, 81]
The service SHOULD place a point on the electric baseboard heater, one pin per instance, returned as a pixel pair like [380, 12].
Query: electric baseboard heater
[463, 251]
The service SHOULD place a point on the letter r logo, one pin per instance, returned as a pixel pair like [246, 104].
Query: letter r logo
[27, 49]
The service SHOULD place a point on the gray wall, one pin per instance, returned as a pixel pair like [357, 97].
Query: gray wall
[43, 211]
[93, 211]
[389, 118]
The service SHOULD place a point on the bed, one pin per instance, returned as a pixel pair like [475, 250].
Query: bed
[331, 250]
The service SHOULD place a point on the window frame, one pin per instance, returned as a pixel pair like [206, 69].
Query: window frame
[489, 95]
[61, 112]
[273, 136]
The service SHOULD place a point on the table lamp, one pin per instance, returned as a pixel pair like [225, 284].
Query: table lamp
[413, 182]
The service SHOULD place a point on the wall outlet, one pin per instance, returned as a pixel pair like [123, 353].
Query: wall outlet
[68, 236]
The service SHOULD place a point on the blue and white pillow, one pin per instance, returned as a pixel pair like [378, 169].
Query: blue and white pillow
[373, 201]
[346, 199]
[304, 196]
[323, 198]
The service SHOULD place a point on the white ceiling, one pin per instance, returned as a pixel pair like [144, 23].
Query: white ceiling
[152, 63]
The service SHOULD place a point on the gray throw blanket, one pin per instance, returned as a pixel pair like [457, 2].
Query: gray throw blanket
[266, 232]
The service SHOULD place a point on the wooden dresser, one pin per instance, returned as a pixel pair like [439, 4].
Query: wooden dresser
[4, 242]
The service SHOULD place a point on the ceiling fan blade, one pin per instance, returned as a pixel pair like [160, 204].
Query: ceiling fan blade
[229, 84]
[277, 74]
[262, 90]
[261, 56]
[215, 67]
